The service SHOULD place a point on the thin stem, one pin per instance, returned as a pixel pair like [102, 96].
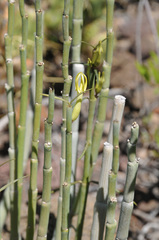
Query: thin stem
[132, 167]
[65, 95]
[47, 172]
[118, 108]
[11, 116]
[32, 194]
[111, 200]
[85, 181]
[67, 182]
[101, 114]
[97, 231]
[77, 25]
[23, 109]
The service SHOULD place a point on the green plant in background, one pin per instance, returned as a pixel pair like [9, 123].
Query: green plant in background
[96, 82]
[150, 69]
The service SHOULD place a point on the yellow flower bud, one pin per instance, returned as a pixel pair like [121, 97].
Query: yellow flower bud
[83, 82]
[80, 88]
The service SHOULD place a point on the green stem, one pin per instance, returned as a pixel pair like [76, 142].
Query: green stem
[100, 206]
[118, 108]
[36, 124]
[132, 167]
[77, 25]
[85, 181]
[65, 96]
[11, 115]
[22, 124]
[67, 183]
[111, 201]
[101, 114]
[109, 29]
[47, 172]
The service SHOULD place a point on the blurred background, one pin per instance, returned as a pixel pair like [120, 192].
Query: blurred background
[135, 74]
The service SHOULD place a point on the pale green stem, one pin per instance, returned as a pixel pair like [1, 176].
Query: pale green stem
[24, 19]
[77, 24]
[132, 167]
[85, 181]
[111, 200]
[47, 172]
[65, 95]
[118, 108]
[22, 124]
[11, 115]
[67, 182]
[101, 114]
[100, 206]
[32, 194]
[76, 68]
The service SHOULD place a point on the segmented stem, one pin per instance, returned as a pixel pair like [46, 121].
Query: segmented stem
[65, 95]
[101, 114]
[118, 108]
[36, 124]
[23, 105]
[9, 86]
[77, 24]
[132, 167]
[85, 181]
[111, 200]
[97, 231]
[47, 172]
[67, 182]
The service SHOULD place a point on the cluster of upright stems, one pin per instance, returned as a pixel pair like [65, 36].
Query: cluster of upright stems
[11, 116]
[70, 201]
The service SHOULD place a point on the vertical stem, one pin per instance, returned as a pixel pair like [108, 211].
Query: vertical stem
[111, 200]
[118, 108]
[65, 95]
[67, 183]
[76, 68]
[32, 194]
[11, 115]
[47, 172]
[97, 231]
[101, 114]
[77, 30]
[77, 24]
[132, 167]
[85, 181]
[23, 105]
